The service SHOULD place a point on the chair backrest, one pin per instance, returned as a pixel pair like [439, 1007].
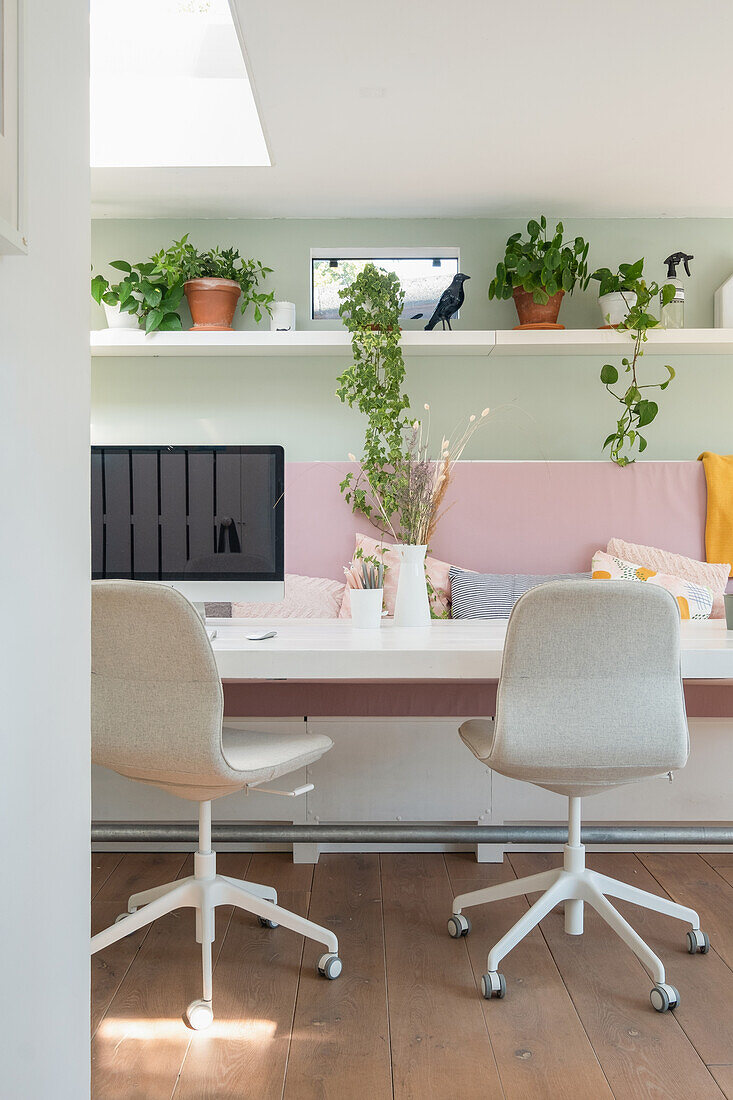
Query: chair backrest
[591, 678]
[157, 699]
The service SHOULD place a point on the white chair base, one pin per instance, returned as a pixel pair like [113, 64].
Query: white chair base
[203, 891]
[574, 884]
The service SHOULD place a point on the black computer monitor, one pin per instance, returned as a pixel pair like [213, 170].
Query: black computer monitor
[208, 520]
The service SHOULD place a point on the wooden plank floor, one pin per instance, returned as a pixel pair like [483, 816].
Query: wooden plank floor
[405, 1020]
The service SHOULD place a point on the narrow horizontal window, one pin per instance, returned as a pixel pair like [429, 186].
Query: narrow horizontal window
[423, 272]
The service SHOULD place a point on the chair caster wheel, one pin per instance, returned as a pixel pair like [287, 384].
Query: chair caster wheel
[265, 922]
[329, 966]
[199, 1015]
[664, 997]
[458, 926]
[493, 984]
[698, 942]
[127, 913]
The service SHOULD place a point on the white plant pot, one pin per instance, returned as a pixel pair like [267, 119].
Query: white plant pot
[366, 607]
[283, 317]
[116, 319]
[615, 306]
[412, 607]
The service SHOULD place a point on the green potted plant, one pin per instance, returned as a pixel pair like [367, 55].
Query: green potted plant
[538, 271]
[616, 294]
[141, 299]
[637, 410]
[213, 281]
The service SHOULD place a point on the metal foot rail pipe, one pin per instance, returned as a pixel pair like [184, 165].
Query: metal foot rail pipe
[231, 832]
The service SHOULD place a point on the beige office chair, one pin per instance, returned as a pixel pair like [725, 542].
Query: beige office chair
[157, 706]
[590, 697]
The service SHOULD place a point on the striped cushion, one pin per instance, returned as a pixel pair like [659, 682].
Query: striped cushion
[493, 595]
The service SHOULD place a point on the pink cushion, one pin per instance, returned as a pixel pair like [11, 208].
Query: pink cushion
[714, 576]
[437, 573]
[305, 598]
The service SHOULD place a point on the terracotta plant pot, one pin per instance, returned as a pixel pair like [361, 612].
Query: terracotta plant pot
[532, 314]
[212, 303]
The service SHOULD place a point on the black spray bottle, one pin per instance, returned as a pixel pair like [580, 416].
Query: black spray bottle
[673, 314]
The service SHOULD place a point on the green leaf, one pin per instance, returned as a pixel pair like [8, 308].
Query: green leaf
[609, 375]
[646, 411]
[609, 439]
[99, 286]
[533, 228]
[172, 298]
[171, 323]
[567, 279]
[152, 294]
[642, 443]
[120, 265]
[129, 305]
[153, 320]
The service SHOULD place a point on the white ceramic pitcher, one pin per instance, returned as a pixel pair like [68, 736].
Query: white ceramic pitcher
[412, 607]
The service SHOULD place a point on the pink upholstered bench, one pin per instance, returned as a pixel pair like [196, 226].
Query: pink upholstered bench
[502, 517]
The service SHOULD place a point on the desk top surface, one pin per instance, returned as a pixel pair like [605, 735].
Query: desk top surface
[333, 649]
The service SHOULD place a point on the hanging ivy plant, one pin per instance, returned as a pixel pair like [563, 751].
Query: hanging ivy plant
[373, 383]
[638, 410]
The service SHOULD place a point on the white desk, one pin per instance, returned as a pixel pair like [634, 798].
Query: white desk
[465, 650]
[391, 700]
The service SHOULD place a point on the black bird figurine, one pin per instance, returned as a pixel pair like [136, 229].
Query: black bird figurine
[449, 303]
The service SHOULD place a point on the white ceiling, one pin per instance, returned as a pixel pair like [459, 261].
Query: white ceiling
[185, 52]
[422, 108]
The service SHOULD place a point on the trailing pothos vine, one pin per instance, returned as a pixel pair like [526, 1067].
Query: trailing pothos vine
[370, 309]
[637, 409]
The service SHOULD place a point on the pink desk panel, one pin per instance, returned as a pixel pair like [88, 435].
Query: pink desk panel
[291, 699]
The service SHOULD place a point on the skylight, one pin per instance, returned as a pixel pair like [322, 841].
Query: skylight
[169, 87]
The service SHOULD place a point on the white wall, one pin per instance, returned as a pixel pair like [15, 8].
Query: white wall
[44, 571]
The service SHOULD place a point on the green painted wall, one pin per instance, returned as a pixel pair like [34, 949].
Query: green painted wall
[545, 407]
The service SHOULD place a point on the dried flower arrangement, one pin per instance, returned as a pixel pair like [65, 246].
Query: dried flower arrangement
[419, 482]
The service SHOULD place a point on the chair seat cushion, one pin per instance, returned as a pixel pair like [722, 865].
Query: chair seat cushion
[478, 735]
[259, 757]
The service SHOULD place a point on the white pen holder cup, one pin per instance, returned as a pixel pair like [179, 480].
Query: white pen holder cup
[283, 317]
[366, 607]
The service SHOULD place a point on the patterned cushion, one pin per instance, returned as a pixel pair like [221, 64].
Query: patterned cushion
[695, 601]
[493, 595]
[709, 574]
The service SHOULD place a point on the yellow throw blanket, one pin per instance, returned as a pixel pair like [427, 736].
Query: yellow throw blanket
[719, 522]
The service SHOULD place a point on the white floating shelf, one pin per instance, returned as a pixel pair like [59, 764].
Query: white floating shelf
[128, 342]
[588, 342]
